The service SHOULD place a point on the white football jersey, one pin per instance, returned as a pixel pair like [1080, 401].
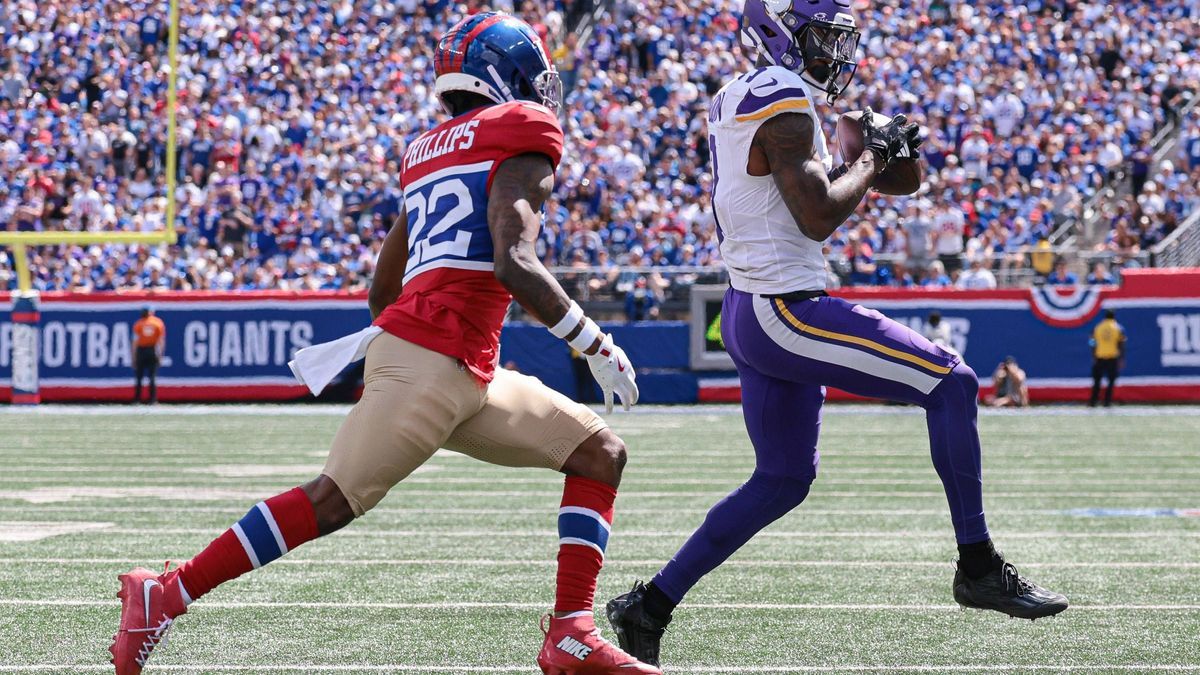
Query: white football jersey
[762, 245]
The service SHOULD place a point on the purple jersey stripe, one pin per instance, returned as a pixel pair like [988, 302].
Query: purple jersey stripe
[753, 103]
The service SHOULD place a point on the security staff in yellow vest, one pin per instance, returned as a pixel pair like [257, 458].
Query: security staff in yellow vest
[1108, 355]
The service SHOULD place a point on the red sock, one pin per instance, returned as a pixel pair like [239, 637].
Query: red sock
[584, 521]
[269, 530]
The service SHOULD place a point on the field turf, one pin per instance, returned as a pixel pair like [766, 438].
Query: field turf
[452, 571]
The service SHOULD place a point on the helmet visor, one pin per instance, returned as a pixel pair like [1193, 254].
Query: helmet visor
[830, 55]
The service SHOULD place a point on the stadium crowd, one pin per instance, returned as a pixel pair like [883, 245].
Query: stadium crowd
[292, 117]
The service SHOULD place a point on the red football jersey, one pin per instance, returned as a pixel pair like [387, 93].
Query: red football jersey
[451, 302]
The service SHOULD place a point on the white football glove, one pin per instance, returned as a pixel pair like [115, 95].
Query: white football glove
[614, 373]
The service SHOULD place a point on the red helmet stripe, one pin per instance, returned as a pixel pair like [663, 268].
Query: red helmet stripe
[461, 52]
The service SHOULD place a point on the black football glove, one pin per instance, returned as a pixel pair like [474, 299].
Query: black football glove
[896, 139]
[914, 143]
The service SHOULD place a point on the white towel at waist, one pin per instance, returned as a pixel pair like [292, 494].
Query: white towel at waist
[316, 366]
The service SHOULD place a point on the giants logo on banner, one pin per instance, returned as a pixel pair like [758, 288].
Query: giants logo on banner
[1180, 339]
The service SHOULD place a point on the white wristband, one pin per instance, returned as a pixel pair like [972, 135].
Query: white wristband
[568, 323]
[587, 336]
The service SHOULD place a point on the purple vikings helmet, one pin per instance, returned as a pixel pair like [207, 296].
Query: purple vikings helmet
[816, 39]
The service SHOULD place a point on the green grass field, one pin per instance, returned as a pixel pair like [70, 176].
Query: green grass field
[452, 571]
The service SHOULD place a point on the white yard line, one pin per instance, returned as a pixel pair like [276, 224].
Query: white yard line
[25, 531]
[248, 410]
[283, 669]
[12, 602]
[973, 668]
[797, 668]
[710, 471]
[402, 491]
[384, 510]
[313, 409]
[817, 492]
[622, 562]
[266, 474]
[739, 451]
[656, 534]
[340, 668]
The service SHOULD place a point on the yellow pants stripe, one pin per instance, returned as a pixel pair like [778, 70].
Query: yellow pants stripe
[861, 341]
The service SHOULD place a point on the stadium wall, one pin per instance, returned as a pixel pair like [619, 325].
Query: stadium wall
[1047, 330]
[235, 346]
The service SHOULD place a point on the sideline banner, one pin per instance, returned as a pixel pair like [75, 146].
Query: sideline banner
[1047, 330]
[219, 346]
[235, 346]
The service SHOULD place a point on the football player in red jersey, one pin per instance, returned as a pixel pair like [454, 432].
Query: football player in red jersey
[459, 253]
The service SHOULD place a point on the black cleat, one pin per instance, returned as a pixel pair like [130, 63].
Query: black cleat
[638, 633]
[1007, 592]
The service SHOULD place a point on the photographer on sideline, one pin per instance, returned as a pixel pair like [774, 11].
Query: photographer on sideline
[1012, 391]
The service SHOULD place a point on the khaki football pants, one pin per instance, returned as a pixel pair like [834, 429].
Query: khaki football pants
[416, 400]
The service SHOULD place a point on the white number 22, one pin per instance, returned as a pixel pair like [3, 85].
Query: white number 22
[420, 249]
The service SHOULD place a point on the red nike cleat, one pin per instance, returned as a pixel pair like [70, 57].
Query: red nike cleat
[149, 605]
[574, 646]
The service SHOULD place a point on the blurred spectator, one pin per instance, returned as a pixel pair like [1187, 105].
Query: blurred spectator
[1100, 275]
[977, 277]
[640, 302]
[1192, 148]
[1042, 258]
[861, 258]
[949, 224]
[1061, 276]
[936, 277]
[919, 230]
[1171, 99]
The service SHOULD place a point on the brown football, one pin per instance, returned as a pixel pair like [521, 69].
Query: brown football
[902, 177]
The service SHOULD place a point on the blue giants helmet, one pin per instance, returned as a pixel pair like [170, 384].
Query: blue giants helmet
[498, 56]
[816, 39]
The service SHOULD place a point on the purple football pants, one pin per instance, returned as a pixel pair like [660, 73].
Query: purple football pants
[785, 353]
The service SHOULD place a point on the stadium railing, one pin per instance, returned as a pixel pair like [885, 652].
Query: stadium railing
[605, 289]
[582, 17]
[1181, 248]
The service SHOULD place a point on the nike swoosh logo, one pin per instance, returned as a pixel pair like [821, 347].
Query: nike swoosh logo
[620, 367]
[763, 88]
[146, 586]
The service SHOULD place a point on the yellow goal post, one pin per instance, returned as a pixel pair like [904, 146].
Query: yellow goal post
[25, 356]
[19, 241]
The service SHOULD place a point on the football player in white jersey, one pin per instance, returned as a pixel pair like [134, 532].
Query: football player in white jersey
[776, 200]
